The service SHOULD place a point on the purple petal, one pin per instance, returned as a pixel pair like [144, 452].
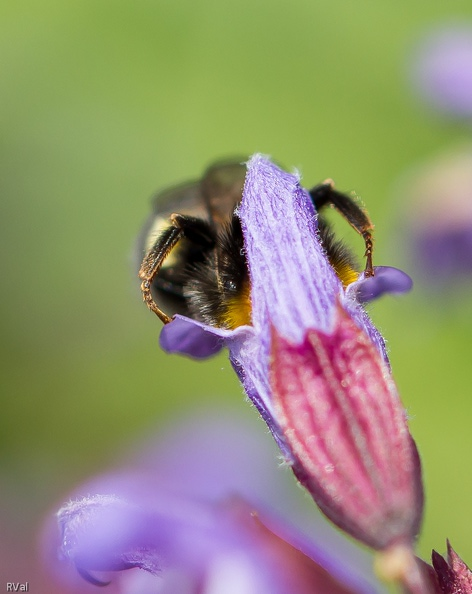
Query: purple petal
[197, 340]
[386, 280]
[218, 548]
[104, 533]
[191, 338]
[293, 284]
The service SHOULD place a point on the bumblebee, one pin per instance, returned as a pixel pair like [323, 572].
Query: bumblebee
[194, 262]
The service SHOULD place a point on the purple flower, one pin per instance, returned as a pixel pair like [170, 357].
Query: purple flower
[438, 213]
[217, 548]
[316, 368]
[442, 69]
[187, 535]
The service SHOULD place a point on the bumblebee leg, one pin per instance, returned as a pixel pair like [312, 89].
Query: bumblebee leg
[151, 264]
[196, 230]
[324, 194]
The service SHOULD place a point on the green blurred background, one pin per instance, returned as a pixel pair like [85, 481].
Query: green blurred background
[104, 102]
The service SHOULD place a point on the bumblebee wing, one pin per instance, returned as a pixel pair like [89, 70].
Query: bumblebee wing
[186, 198]
[222, 188]
[183, 199]
[213, 198]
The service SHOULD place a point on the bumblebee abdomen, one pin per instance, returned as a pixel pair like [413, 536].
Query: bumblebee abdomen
[218, 290]
[339, 255]
[213, 303]
[236, 310]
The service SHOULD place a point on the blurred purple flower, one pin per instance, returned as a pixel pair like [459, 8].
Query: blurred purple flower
[442, 69]
[188, 535]
[316, 368]
[438, 218]
[216, 548]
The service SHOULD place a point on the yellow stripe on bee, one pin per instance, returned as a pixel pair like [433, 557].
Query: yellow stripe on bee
[345, 273]
[238, 310]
